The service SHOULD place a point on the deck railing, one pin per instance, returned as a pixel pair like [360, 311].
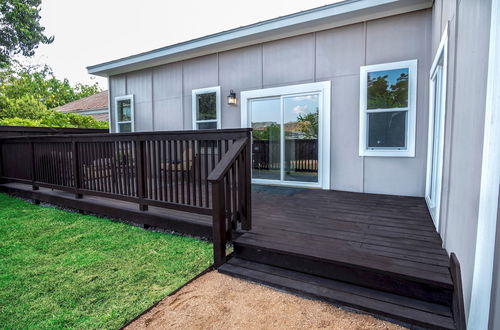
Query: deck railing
[301, 155]
[204, 172]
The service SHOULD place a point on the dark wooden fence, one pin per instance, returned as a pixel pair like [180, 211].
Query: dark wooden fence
[6, 131]
[301, 155]
[204, 172]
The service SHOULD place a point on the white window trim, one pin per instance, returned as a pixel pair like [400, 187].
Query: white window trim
[435, 207]
[131, 121]
[216, 90]
[411, 116]
[324, 88]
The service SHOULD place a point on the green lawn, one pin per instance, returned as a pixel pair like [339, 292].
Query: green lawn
[61, 269]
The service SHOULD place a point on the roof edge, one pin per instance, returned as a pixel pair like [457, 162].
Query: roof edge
[280, 27]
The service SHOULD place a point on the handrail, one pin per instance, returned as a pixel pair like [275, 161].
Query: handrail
[227, 160]
[231, 196]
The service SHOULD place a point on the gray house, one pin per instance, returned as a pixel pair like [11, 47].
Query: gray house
[372, 96]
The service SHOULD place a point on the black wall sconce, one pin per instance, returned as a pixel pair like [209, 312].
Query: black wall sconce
[231, 98]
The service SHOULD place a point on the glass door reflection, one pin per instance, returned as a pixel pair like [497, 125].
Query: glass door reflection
[300, 124]
[266, 147]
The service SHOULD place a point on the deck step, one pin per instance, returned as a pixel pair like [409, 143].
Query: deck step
[428, 283]
[408, 310]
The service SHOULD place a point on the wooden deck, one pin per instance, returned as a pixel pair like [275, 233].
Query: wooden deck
[377, 253]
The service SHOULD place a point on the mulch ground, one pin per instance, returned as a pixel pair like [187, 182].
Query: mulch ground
[217, 301]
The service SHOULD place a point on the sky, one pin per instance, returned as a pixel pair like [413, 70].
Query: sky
[89, 32]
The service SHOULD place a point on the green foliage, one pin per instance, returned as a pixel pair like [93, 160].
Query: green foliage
[20, 29]
[28, 94]
[40, 82]
[67, 270]
[308, 124]
[269, 133]
[383, 96]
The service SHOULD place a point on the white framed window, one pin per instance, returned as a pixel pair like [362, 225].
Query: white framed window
[124, 111]
[206, 108]
[388, 102]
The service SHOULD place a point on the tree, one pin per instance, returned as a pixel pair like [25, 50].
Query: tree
[270, 133]
[28, 96]
[308, 124]
[20, 29]
[383, 96]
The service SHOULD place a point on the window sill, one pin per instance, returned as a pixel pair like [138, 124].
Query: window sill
[387, 153]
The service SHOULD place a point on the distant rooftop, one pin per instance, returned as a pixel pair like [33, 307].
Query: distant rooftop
[97, 101]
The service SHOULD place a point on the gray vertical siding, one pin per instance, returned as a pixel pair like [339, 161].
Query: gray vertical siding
[239, 70]
[469, 22]
[167, 98]
[336, 55]
[393, 39]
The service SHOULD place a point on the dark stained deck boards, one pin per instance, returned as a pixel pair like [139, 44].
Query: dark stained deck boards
[381, 232]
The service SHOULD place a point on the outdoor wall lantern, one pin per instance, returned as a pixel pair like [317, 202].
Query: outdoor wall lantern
[231, 98]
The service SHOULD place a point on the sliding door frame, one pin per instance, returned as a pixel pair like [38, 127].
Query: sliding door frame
[324, 90]
[437, 72]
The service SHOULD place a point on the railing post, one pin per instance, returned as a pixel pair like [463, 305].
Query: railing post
[76, 170]
[139, 173]
[33, 171]
[219, 223]
[246, 224]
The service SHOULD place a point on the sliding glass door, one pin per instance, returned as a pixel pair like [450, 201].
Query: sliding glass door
[286, 138]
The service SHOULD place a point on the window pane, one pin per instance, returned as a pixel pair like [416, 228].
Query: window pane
[124, 111]
[209, 125]
[125, 127]
[387, 130]
[388, 89]
[266, 148]
[301, 114]
[206, 106]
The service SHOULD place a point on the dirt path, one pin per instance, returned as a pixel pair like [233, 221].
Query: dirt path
[216, 301]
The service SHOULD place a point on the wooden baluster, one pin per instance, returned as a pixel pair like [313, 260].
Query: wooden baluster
[181, 153]
[189, 162]
[76, 170]
[193, 167]
[176, 171]
[33, 167]
[234, 205]
[207, 197]
[132, 168]
[246, 223]
[140, 175]
[200, 190]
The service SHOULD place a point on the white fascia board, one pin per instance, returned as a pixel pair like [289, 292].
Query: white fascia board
[322, 18]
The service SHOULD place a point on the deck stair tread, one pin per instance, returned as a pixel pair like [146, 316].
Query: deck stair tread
[380, 303]
[336, 251]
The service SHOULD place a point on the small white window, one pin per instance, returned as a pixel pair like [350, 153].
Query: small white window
[388, 109]
[124, 106]
[206, 108]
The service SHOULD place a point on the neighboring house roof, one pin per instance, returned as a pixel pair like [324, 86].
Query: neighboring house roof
[317, 19]
[94, 105]
[97, 101]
